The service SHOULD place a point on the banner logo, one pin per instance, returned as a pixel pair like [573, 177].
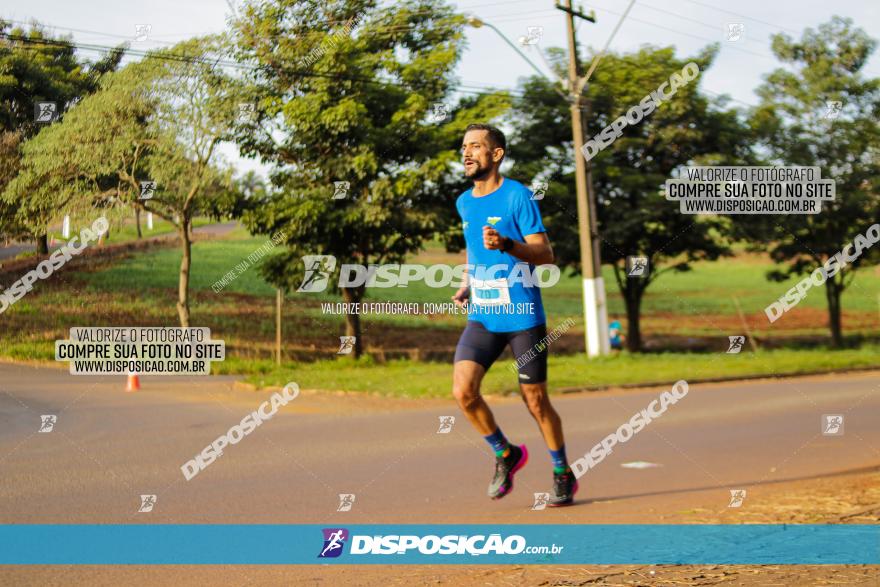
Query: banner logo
[334, 540]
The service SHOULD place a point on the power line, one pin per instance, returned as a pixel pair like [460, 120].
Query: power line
[732, 47]
[654, 24]
[713, 26]
[598, 57]
[461, 87]
[165, 55]
[374, 29]
[777, 26]
[540, 14]
[473, 88]
[88, 32]
[470, 6]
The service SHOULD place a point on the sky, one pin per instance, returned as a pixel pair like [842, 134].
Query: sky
[488, 62]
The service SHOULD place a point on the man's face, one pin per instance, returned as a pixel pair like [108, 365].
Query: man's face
[478, 155]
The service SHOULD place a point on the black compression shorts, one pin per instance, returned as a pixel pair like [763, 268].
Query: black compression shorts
[484, 347]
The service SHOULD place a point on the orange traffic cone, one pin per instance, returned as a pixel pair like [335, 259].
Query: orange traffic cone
[134, 383]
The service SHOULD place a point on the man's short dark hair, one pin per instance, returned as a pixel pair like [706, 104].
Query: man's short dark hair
[496, 137]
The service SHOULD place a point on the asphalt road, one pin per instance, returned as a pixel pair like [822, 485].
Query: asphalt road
[109, 447]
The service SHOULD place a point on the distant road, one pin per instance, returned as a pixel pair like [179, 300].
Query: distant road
[210, 229]
[15, 250]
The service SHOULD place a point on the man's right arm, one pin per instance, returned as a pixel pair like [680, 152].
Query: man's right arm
[464, 292]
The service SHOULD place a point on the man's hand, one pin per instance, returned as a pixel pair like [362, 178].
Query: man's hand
[461, 296]
[492, 239]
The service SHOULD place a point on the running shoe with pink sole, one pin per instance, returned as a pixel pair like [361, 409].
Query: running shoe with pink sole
[505, 467]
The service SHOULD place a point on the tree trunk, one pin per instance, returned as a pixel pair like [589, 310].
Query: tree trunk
[137, 221]
[353, 295]
[183, 284]
[833, 290]
[633, 298]
[43, 244]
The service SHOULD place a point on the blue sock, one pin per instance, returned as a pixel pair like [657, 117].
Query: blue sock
[497, 441]
[560, 463]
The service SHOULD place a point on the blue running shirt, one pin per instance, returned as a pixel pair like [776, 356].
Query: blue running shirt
[512, 212]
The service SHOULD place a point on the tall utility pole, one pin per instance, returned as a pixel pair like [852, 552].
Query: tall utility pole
[278, 299]
[595, 309]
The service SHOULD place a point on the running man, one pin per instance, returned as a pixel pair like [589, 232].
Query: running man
[502, 228]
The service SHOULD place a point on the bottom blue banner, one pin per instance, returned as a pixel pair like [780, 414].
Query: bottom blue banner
[440, 544]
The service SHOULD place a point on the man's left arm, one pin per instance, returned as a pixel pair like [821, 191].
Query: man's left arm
[535, 250]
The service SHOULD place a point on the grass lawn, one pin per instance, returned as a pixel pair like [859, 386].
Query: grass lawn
[428, 379]
[694, 303]
[160, 227]
[141, 290]
[158, 269]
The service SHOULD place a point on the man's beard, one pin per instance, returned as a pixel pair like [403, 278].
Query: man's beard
[478, 173]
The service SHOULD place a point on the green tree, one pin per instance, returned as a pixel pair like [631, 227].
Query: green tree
[633, 217]
[36, 67]
[159, 120]
[248, 191]
[10, 159]
[351, 105]
[821, 111]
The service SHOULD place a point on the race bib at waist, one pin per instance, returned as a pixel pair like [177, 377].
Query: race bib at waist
[489, 292]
